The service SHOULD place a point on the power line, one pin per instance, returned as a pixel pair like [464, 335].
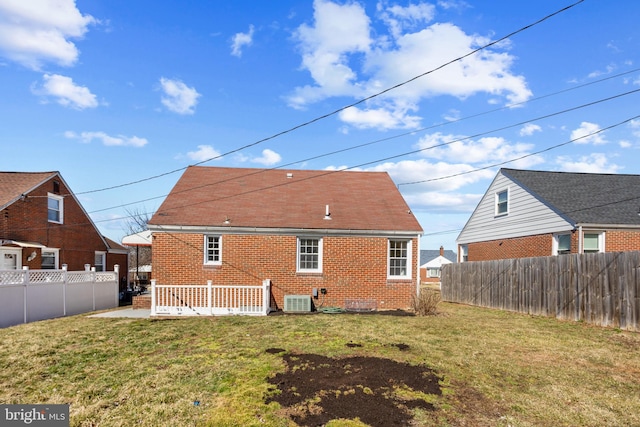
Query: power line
[417, 131]
[324, 116]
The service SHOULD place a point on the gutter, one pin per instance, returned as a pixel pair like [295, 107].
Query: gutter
[279, 231]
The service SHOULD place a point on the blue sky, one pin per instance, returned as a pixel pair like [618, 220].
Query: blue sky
[110, 92]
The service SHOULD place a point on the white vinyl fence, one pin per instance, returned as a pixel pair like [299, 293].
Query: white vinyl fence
[31, 295]
[210, 300]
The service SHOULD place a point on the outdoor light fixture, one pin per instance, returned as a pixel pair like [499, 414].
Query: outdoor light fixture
[32, 256]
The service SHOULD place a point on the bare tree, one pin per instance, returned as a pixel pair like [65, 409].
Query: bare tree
[138, 255]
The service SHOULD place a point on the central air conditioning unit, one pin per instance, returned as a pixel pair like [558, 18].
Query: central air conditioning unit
[297, 303]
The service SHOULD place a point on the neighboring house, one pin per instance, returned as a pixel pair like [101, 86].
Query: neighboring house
[431, 262]
[535, 213]
[350, 234]
[43, 226]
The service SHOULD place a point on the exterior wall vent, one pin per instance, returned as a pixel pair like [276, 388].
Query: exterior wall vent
[297, 303]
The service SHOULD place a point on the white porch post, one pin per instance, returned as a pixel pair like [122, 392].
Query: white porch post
[266, 296]
[153, 297]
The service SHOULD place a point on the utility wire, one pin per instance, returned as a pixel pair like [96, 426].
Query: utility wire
[397, 136]
[363, 100]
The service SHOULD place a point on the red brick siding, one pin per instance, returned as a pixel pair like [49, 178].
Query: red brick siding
[520, 247]
[77, 238]
[542, 245]
[619, 241]
[353, 267]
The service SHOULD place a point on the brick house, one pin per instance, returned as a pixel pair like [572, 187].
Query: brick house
[537, 213]
[44, 226]
[350, 234]
[431, 262]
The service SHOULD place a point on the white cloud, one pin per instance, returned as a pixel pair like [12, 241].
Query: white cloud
[588, 133]
[592, 163]
[33, 32]
[240, 40]
[108, 140]
[344, 59]
[379, 118]
[529, 129]
[178, 97]
[400, 19]
[66, 92]
[481, 151]
[635, 127]
[204, 153]
[625, 144]
[268, 158]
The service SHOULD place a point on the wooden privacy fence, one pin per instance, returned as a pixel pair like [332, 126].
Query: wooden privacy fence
[196, 300]
[602, 288]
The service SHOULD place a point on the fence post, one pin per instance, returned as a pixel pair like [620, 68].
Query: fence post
[209, 306]
[93, 286]
[25, 272]
[153, 297]
[64, 289]
[266, 296]
[116, 271]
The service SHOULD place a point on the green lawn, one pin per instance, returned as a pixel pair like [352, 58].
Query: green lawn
[497, 368]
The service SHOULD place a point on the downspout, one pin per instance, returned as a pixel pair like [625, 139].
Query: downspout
[418, 266]
[580, 240]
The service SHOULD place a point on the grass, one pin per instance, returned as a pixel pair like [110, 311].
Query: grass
[498, 368]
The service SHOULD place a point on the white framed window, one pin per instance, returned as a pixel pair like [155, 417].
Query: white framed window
[433, 272]
[55, 208]
[100, 261]
[562, 244]
[464, 253]
[399, 259]
[592, 243]
[213, 250]
[309, 255]
[502, 202]
[10, 259]
[49, 259]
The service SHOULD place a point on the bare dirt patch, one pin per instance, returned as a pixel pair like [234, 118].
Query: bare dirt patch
[316, 389]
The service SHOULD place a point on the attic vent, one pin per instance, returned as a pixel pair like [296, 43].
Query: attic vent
[56, 187]
[289, 175]
[297, 303]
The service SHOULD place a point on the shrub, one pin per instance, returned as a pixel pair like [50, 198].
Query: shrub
[426, 302]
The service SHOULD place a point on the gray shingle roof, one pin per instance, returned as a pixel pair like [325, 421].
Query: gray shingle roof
[584, 198]
[427, 255]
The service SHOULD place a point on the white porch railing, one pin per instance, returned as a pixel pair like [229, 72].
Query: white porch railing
[210, 300]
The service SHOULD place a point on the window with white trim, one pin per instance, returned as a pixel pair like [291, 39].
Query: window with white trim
[399, 259]
[433, 272]
[562, 244]
[55, 211]
[213, 250]
[100, 261]
[464, 253]
[49, 259]
[309, 255]
[502, 202]
[592, 243]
